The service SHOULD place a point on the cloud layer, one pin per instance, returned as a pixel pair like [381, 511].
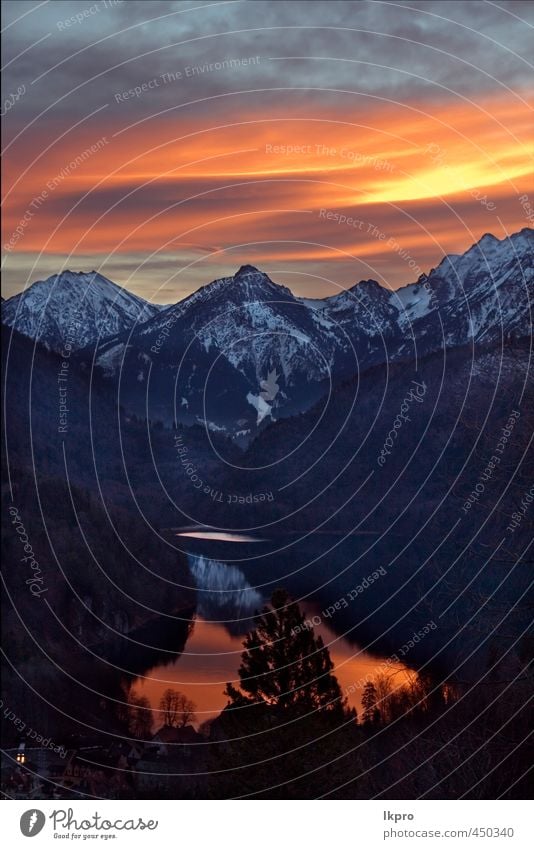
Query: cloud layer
[323, 142]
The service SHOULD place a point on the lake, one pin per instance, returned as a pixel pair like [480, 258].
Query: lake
[235, 575]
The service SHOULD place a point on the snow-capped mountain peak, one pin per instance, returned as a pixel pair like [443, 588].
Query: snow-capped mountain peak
[75, 307]
[248, 271]
[491, 281]
[251, 284]
[215, 349]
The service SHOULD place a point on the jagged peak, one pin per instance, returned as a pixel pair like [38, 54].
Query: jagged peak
[68, 275]
[368, 287]
[488, 238]
[246, 270]
[369, 284]
[488, 241]
[68, 278]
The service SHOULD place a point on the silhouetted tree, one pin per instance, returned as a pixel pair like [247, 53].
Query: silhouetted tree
[176, 708]
[139, 717]
[285, 666]
[287, 728]
[370, 713]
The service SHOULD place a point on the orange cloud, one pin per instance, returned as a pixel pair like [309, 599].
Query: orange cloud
[429, 178]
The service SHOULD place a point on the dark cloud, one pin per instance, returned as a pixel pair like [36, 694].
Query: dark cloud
[333, 61]
[430, 47]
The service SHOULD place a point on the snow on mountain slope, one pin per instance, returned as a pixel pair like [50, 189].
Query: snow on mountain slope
[214, 350]
[486, 295]
[365, 308]
[216, 346]
[205, 357]
[488, 289]
[75, 308]
[258, 325]
[253, 323]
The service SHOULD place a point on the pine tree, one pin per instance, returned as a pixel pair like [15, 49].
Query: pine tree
[288, 728]
[370, 713]
[285, 667]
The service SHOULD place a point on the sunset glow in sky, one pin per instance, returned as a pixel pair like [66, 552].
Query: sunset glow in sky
[356, 140]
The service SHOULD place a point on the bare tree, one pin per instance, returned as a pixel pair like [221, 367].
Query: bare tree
[176, 708]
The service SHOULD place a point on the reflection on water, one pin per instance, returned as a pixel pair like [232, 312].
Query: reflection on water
[224, 594]
[220, 536]
[211, 658]
[226, 605]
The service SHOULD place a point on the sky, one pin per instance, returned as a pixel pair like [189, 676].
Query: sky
[166, 144]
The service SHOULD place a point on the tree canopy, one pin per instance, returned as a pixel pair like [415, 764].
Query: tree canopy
[176, 709]
[285, 666]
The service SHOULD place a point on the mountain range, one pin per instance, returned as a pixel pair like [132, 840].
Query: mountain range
[395, 453]
[209, 358]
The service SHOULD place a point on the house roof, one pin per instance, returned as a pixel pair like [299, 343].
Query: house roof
[169, 734]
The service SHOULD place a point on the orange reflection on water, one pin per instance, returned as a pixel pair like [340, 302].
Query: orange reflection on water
[212, 657]
[210, 660]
